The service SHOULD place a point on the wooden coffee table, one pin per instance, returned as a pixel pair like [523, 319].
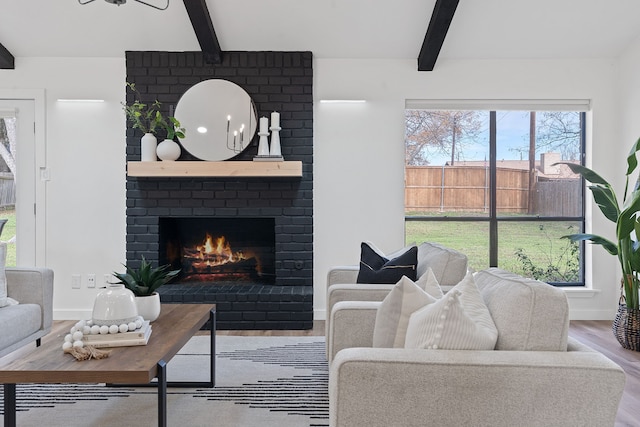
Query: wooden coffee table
[126, 365]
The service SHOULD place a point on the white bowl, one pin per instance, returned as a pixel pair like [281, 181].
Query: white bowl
[114, 306]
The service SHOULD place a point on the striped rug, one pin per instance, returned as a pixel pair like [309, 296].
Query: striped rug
[260, 381]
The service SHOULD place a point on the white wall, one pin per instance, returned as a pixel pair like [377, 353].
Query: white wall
[359, 152]
[85, 152]
[358, 163]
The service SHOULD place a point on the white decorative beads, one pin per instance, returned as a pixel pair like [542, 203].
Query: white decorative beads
[86, 327]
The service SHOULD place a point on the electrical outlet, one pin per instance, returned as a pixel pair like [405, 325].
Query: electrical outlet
[107, 279]
[76, 281]
[91, 281]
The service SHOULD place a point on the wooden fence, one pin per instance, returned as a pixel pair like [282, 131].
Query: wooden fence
[7, 190]
[466, 188]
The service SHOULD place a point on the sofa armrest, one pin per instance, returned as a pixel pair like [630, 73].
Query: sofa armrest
[33, 286]
[342, 274]
[352, 292]
[383, 387]
[352, 324]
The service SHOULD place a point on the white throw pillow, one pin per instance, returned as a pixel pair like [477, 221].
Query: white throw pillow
[3, 277]
[429, 284]
[393, 314]
[458, 321]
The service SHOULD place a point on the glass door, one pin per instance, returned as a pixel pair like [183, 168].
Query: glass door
[18, 180]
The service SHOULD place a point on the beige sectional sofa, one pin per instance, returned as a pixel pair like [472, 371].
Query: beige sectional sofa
[535, 376]
[32, 318]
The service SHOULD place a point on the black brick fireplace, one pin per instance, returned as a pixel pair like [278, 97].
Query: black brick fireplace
[277, 290]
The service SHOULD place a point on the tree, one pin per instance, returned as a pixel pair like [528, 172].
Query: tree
[8, 143]
[560, 131]
[444, 132]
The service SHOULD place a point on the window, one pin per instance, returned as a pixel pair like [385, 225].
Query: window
[485, 181]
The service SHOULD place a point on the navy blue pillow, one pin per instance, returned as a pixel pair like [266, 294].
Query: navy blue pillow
[374, 268]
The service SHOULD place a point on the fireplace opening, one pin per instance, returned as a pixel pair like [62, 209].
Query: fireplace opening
[219, 251]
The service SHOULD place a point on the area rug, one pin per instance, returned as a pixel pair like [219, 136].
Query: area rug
[260, 381]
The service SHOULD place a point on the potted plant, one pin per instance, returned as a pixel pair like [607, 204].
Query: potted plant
[169, 149]
[147, 118]
[626, 247]
[144, 282]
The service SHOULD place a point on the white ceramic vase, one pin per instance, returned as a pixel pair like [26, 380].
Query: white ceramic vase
[149, 306]
[148, 145]
[168, 150]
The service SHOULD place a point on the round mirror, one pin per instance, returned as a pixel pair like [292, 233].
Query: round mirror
[219, 117]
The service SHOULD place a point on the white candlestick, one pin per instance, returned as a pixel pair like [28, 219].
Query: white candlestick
[275, 119]
[264, 124]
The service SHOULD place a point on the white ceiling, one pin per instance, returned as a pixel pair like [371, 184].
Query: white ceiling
[489, 29]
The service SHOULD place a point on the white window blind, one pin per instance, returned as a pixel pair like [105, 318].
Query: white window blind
[7, 112]
[582, 105]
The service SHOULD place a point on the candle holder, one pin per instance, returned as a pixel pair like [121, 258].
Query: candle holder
[263, 144]
[274, 150]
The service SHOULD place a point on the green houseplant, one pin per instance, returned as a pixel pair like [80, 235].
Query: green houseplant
[144, 116]
[148, 118]
[144, 282]
[626, 245]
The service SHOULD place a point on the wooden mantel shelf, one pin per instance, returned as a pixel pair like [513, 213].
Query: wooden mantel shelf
[239, 169]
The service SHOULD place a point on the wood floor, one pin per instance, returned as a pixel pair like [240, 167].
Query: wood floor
[596, 334]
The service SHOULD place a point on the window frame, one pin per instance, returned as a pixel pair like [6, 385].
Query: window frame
[493, 218]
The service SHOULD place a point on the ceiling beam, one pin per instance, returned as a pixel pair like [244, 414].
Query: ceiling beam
[203, 27]
[7, 61]
[441, 18]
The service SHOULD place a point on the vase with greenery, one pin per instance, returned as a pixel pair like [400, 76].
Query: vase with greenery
[626, 246]
[144, 282]
[169, 149]
[147, 118]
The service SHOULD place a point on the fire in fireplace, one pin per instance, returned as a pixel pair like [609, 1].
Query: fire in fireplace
[219, 250]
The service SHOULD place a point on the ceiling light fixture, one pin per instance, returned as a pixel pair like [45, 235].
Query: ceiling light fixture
[342, 101]
[119, 2]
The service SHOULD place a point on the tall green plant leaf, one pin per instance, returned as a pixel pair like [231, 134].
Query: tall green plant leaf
[608, 245]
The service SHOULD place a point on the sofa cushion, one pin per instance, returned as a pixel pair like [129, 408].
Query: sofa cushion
[393, 313]
[448, 265]
[458, 321]
[376, 268]
[25, 319]
[529, 314]
[3, 275]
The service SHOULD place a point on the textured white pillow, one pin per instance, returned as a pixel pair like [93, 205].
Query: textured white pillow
[429, 284]
[393, 314]
[458, 321]
[3, 278]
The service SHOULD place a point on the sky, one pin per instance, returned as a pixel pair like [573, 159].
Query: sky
[512, 140]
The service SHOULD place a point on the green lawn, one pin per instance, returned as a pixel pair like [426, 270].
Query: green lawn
[540, 243]
[8, 232]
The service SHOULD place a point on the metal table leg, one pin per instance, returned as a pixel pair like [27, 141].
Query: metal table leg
[162, 394]
[10, 405]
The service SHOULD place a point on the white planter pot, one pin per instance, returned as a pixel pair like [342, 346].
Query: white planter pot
[168, 150]
[149, 306]
[148, 145]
